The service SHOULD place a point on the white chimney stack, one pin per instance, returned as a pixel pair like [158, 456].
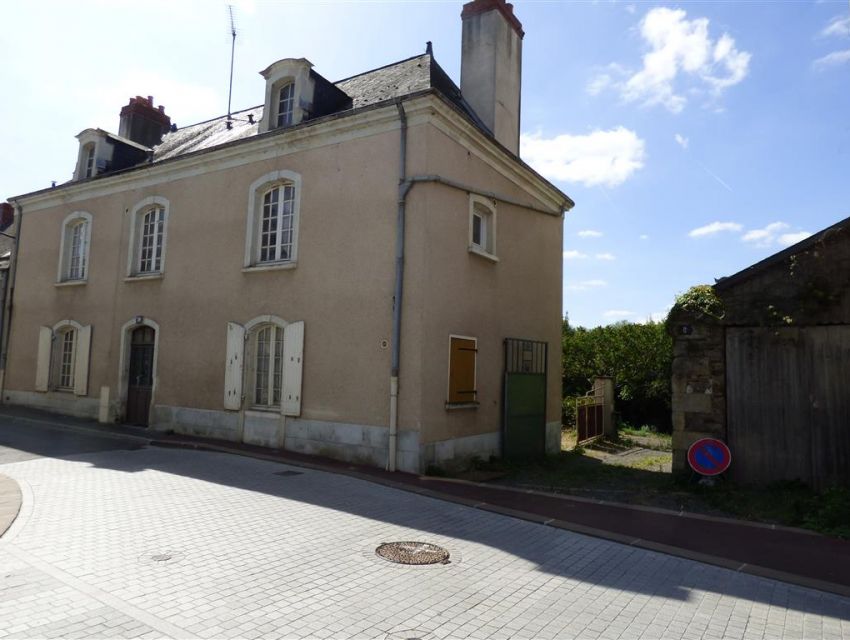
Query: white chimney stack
[491, 67]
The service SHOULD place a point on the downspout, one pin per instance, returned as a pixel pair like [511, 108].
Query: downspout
[403, 189]
[7, 303]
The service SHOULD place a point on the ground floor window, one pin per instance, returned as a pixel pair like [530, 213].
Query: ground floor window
[463, 352]
[268, 365]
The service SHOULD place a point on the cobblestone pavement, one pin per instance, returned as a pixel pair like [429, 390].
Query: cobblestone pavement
[158, 543]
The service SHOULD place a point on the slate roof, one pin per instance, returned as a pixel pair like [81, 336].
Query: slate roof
[418, 73]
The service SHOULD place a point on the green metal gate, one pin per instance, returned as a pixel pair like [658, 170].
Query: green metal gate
[524, 399]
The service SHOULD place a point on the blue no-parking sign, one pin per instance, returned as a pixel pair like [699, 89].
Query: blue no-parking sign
[709, 456]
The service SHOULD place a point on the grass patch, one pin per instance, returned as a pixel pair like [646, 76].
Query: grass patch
[591, 472]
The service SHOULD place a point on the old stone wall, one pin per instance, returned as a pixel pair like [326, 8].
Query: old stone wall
[698, 385]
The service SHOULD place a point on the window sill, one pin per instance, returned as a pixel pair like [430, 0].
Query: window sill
[144, 276]
[484, 254]
[452, 406]
[71, 283]
[274, 266]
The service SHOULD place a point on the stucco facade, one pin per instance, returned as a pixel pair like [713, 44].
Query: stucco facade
[339, 284]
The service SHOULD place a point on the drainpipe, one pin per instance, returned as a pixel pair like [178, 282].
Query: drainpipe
[7, 305]
[403, 189]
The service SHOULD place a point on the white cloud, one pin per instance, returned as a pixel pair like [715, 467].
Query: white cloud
[833, 59]
[838, 26]
[598, 84]
[574, 254]
[605, 256]
[589, 233]
[765, 236]
[681, 140]
[584, 285]
[599, 158]
[713, 228]
[787, 239]
[679, 47]
[631, 8]
[643, 236]
[618, 313]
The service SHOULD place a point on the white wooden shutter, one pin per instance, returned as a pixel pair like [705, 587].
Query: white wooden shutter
[81, 362]
[293, 363]
[42, 369]
[234, 366]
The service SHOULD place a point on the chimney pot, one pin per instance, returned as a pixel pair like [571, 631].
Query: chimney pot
[142, 122]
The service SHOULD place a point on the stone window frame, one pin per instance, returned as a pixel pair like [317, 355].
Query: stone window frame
[484, 209]
[253, 231]
[136, 238]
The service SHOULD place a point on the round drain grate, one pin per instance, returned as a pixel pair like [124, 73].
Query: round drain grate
[413, 553]
[161, 557]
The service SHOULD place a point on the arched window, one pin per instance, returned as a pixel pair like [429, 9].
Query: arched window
[147, 237]
[285, 104]
[65, 350]
[74, 247]
[266, 365]
[272, 234]
[62, 363]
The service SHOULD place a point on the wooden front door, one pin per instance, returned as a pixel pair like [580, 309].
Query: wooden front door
[140, 382]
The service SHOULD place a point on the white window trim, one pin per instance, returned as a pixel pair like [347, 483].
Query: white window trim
[461, 405]
[485, 252]
[133, 254]
[64, 260]
[252, 229]
[250, 369]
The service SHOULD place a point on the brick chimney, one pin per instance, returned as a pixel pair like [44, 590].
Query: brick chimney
[491, 67]
[142, 122]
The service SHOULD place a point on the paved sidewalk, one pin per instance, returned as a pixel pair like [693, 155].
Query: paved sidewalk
[167, 542]
[795, 556]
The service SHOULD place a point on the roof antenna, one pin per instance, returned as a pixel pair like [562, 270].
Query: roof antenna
[232, 52]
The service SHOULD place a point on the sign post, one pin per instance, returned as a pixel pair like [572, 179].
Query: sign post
[709, 457]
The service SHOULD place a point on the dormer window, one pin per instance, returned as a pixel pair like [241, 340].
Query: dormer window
[89, 154]
[285, 104]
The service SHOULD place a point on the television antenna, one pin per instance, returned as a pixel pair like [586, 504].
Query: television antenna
[232, 52]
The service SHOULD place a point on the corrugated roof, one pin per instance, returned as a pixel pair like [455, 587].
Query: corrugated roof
[385, 83]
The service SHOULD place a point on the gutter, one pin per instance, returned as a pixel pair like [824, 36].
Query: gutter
[7, 303]
[404, 187]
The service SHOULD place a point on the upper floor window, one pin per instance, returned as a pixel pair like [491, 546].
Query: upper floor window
[89, 155]
[147, 237]
[285, 104]
[150, 251]
[482, 226]
[74, 247]
[272, 234]
[276, 224]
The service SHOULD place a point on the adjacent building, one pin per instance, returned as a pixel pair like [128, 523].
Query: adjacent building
[767, 370]
[352, 268]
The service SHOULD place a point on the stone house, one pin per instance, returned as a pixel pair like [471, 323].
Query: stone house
[767, 370]
[335, 271]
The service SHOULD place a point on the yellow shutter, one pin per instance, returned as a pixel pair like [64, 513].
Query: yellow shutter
[462, 370]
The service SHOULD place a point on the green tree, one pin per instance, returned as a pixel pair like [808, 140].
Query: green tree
[638, 356]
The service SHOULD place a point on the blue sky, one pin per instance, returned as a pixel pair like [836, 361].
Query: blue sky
[695, 137]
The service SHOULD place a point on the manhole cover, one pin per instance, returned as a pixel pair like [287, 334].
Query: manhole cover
[413, 553]
[161, 557]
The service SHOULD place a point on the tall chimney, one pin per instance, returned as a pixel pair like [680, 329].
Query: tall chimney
[143, 123]
[491, 67]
